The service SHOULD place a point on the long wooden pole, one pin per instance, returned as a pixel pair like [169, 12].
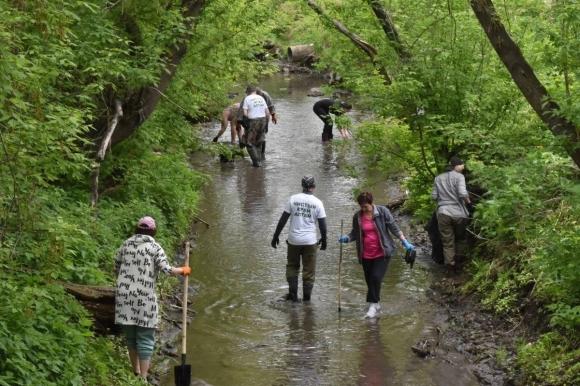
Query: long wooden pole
[340, 264]
[184, 307]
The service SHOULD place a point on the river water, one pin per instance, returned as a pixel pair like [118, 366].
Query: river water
[243, 334]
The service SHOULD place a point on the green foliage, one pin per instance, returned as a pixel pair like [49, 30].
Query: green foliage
[530, 219]
[62, 64]
[343, 121]
[551, 360]
[63, 61]
[225, 151]
[38, 345]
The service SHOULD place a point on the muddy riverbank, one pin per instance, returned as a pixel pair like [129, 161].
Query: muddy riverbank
[486, 341]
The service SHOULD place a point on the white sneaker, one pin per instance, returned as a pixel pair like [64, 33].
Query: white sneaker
[372, 312]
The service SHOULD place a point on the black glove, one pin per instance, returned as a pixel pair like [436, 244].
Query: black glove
[275, 242]
[470, 208]
[322, 243]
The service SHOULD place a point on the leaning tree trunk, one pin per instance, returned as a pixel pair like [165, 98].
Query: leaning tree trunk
[141, 104]
[367, 48]
[390, 29]
[525, 78]
[102, 151]
[130, 113]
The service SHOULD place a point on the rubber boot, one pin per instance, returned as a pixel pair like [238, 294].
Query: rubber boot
[292, 289]
[263, 150]
[306, 292]
[254, 153]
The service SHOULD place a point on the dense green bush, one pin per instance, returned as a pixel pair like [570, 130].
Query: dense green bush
[61, 65]
[45, 339]
[552, 360]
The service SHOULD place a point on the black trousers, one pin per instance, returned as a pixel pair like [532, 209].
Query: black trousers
[327, 129]
[374, 270]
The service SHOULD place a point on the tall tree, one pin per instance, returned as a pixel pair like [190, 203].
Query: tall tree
[525, 78]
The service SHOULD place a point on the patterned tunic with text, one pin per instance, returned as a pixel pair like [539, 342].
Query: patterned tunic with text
[137, 264]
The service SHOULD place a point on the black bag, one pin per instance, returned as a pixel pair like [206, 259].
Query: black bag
[410, 257]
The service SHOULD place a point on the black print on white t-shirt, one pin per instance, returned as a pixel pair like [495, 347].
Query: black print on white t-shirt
[303, 209]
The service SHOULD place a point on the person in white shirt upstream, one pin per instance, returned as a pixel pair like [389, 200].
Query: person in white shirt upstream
[256, 110]
[303, 210]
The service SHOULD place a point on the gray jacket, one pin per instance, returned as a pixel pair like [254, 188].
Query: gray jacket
[384, 221]
[449, 191]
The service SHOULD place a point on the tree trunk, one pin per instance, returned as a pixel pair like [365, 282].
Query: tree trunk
[367, 48]
[140, 104]
[525, 78]
[390, 29]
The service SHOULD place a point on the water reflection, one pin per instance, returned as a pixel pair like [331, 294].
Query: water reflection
[251, 188]
[305, 355]
[374, 369]
[328, 162]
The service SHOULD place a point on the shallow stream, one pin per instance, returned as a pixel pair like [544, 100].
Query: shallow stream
[242, 333]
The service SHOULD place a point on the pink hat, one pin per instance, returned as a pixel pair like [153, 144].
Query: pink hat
[146, 223]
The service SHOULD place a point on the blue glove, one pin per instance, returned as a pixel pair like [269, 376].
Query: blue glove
[343, 239]
[408, 246]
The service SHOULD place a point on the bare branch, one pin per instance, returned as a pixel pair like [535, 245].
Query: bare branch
[110, 130]
[105, 143]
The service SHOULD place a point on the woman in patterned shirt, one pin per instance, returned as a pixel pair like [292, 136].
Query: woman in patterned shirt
[137, 264]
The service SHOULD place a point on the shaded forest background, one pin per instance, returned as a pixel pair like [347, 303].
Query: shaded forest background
[73, 72]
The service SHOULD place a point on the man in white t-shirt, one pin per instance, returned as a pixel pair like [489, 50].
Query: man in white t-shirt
[304, 210]
[256, 110]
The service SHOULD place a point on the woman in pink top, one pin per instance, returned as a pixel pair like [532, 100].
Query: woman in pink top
[372, 228]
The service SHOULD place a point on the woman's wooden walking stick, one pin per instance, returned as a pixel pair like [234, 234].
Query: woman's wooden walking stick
[340, 263]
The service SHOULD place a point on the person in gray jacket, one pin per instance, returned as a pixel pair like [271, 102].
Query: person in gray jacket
[452, 214]
[372, 227]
